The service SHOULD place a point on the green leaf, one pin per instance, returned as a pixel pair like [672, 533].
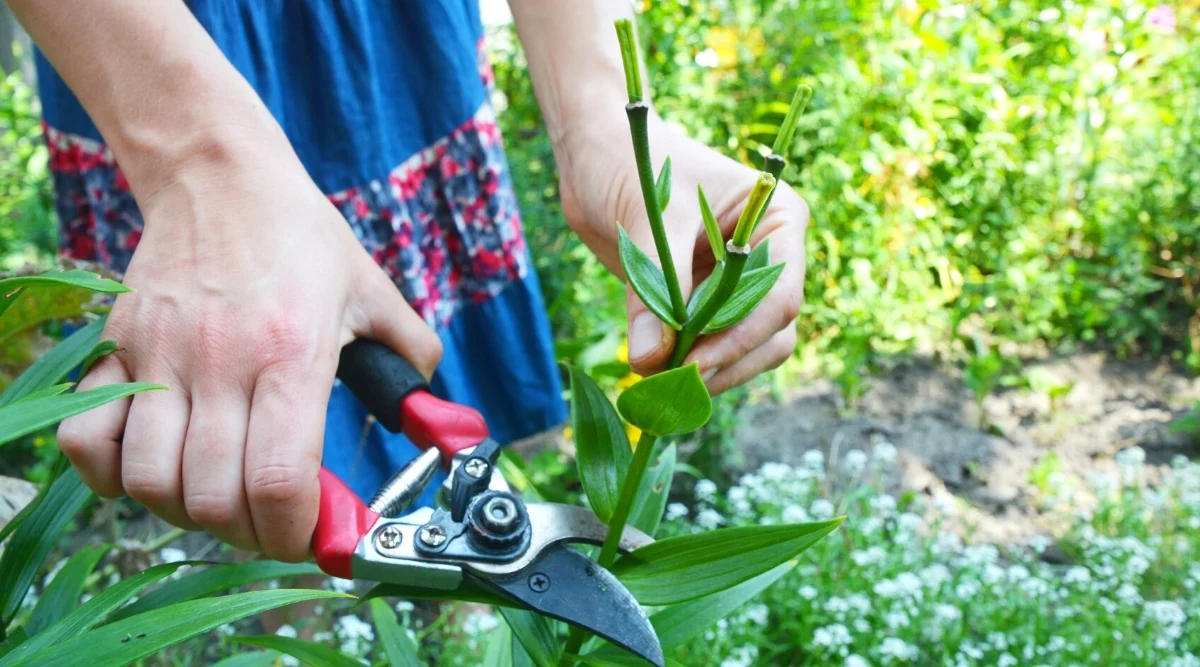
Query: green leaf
[466, 592]
[646, 278]
[136, 637]
[607, 658]
[711, 228]
[535, 633]
[662, 186]
[15, 638]
[30, 415]
[602, 451]
[705, 289]
[499, 649]
[95, 610]
[62, 595]
[215, 579]
[56, 364]
[679, 623]
[308, 653]
[399, 648]
[251, 659]
[678, 569]
[52, 390]
[651, 497]
[750, 290]
[673, 402]
[73, 278]
[103, 348]
[759, 258]
[33, 539]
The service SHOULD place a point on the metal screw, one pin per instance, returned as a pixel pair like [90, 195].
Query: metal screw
[390, 537]
[499, 514]
[539, 583]
[476, 468]
[433, 536]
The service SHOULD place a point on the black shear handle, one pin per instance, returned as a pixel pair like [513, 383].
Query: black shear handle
[380, 378]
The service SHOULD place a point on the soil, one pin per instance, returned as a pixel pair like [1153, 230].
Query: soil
[935, 423]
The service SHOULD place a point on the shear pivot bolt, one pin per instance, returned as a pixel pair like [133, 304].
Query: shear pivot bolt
[390, 537]
[539, 583]
[476, 468]
[433, 536]
[500, 514]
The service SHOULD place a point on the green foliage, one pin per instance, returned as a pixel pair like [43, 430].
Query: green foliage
[673, 402]
[602, 451]
[751, 289]
[312, 654]
[27, 234]
[646, 279]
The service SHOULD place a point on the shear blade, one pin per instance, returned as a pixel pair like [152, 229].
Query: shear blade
[566, 585]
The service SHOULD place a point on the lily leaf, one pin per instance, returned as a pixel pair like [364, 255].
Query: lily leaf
[308, 653]
[759, 258]
[662, 186]
[499, 649]
[602, 451]
[646, 278]
[397, 645]
[536, 635]
[705, 289]
[711, 228]
[72, 278]
[251, 659]
[54, 366]
[750, 290]
[651, 497]
[215, 579]
[466, 592]
[103, 348]
[673, 402]
[62, 595]
[25, 417]
[678, 569]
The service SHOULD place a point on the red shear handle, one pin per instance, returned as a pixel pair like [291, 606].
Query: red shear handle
[343, 521]
[398, 395]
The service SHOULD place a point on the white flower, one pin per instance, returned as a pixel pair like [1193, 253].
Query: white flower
[1131, 457]
[226, 630]
[837, 606]
[172, 555]
[478, 623]
[832, 636]
[708, 59]
[856, 660]
[351, 627]
[1077, 575]
[905, 585]
[935, 575]
[709, 518]
[286, 631]
[676, 511]
[998, 639]
[795, 514]
[896, 619]
[340, 585]
[860, 603]
[775, 472]
[1017, 573]
[808, 592]
[966, 590]
[1128, 594]
[884, 455]
[1039, 543]
[404, 607]
[706, 490]
[1137, 565]
[909, 522]
[322, 636]
[883, 504]
[289, 661]
[822, 509]
[861, 625]
[855, 462]
[1006, 660]
[1185, 660]
[743, 656]
[757, 614]
[871, 556]
[814, 461]
[947, 613]
[897, 649]
[1056, 644]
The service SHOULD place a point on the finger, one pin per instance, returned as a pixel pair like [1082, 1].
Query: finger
[283, 452]
[152, 449]
[91, 441]
[214, 493]
[379, 312]
[767, 356]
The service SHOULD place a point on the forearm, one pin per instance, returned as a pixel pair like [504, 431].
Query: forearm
[157, 87]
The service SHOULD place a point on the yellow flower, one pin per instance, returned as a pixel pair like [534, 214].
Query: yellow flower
[633, 433]
[623, 353]
[724, 41]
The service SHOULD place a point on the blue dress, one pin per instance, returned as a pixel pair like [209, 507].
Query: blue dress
[387, 104]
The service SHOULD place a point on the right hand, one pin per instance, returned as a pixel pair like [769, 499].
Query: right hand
[248, 283]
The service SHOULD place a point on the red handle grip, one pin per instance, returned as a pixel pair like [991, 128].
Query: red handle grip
[343, 520]
[432, 422]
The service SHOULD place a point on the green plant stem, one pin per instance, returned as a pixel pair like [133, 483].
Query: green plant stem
[165, 539]
[735, 264]
[639, 114]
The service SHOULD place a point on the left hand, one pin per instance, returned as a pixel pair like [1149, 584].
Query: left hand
[599, 187]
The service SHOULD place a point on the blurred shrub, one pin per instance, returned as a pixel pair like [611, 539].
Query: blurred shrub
[27, 233]
[1023, 171]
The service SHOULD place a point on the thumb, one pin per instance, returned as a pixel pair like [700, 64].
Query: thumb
[383, 315]
[650, 340]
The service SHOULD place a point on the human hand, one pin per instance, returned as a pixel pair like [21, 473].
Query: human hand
[599, 186]
[248, 282]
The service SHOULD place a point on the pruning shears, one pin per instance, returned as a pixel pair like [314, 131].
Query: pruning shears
[481, 533]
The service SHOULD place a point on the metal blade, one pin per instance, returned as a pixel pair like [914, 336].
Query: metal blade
[565, 584]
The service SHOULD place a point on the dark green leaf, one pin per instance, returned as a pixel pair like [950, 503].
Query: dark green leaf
[646, 278]
[52, 390]
[31, 415]
[705, 289]
[136, 637]
[759, 258]
[662, 187]
[33, 539]
[750, 290]
[679, 623]
[215, 579]
[399, 648]
[651, 498]
[535, 633]
[73, 278]
[614, 658]
[95, 610]
[251, 659]
[15, 638]
[466, 592]
[54, 366]
[62, 595]
[103, 348]
[499, 649]
[673, 402]
[308, 653]
[678, 569]
[602, 451]
[715, 239]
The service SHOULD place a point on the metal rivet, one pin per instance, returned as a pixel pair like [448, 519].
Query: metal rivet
[500, 514]
[476, 468]
[433, 536]
[539, 583]
[390, 537]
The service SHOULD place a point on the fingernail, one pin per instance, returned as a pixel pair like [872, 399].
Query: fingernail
[708, 374]
[645, 336]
